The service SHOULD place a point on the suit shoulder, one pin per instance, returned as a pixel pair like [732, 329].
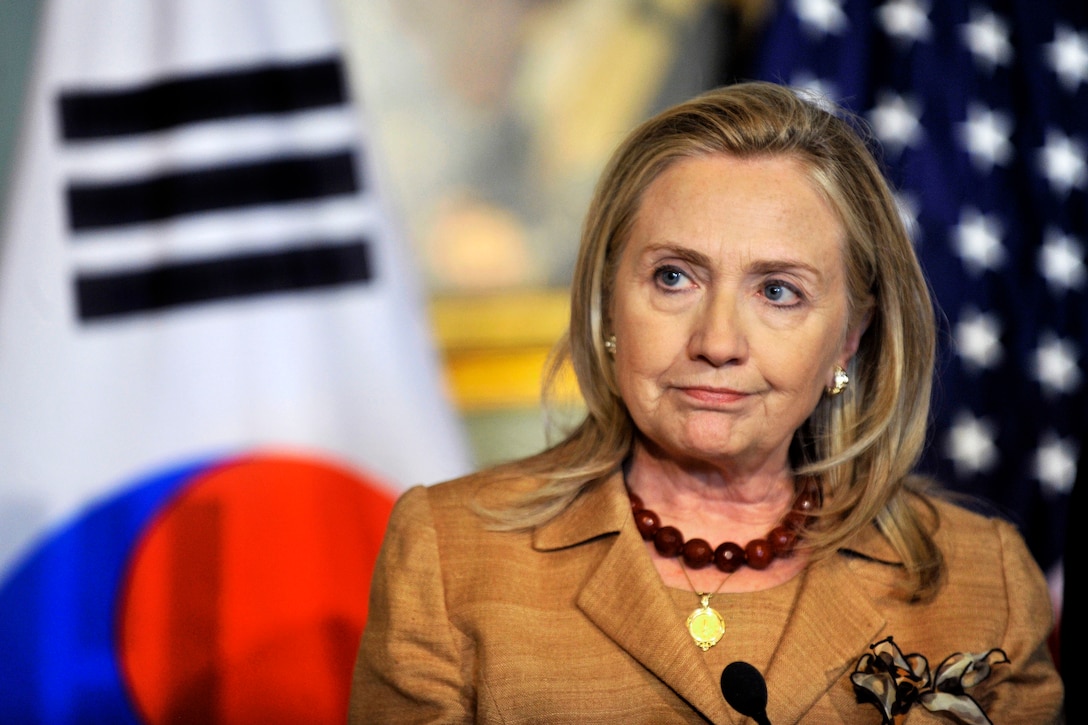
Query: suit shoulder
[457, 510]
[976, 544]
[954, 521]
[483, 489]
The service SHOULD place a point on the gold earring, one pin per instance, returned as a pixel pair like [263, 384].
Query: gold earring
[610, 345]
[840, 383]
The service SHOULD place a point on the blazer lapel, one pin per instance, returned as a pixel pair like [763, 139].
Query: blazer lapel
[832, 625]
[626, 599]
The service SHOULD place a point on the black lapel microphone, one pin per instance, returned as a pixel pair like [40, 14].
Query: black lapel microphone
[746, 691]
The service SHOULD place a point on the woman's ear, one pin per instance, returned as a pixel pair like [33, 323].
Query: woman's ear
[853, 337]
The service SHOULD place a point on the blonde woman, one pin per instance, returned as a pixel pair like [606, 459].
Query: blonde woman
[754, 341]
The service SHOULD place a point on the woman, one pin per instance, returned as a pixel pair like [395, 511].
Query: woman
[754, 342]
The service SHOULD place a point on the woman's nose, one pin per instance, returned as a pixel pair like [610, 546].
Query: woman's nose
[719, 335]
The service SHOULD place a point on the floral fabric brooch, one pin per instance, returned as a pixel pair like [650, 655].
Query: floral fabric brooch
[894, 682]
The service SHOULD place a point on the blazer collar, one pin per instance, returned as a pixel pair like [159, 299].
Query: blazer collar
[601, 510]
[870, 544]
[832, 625]
[626, 599]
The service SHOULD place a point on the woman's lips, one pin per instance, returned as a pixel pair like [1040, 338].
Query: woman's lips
[712, 395]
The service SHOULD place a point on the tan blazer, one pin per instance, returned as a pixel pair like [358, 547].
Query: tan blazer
[571, 623]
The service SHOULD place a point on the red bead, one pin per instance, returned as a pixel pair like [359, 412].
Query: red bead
[729, 557]
[806, 504]
[808, 500]
[758, 553]
[697, 553]
[636, 502]
[795, 521]
[782, 540]
[647, 523]
[668, 541]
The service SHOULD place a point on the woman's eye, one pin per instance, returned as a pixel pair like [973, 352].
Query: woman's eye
[671, 277]
[780, 293]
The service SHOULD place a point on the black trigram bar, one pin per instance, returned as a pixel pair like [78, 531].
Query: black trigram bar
[119, 294]
[96, 206]
[282, 88]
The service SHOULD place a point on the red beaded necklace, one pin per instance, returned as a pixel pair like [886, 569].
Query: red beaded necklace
[728, 556]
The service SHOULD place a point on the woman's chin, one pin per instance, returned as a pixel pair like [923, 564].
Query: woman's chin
[722, 452]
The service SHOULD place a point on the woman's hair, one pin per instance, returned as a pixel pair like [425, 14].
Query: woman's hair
[862, 444]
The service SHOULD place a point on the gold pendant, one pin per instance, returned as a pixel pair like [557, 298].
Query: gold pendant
[706, 625]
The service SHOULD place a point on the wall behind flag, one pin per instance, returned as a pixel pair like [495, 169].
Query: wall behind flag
[18, 22]
[494, 120]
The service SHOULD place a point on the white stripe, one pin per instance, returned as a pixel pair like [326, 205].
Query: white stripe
[228, 232]
[211, 144]
[126, 42]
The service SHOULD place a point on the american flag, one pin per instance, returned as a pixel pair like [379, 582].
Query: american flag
[981, 110]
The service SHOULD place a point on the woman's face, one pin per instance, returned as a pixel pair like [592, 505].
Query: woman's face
[730, 310]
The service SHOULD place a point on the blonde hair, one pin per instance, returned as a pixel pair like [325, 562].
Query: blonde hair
[863, 444]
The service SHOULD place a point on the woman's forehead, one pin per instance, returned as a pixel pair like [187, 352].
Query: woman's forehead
[720, 205]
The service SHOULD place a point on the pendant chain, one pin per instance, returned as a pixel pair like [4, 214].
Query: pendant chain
[697, 593]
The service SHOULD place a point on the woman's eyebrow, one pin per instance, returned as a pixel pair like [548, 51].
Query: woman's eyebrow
[771, 266]
[687, 254]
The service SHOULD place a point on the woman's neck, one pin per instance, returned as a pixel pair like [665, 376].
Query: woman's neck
[745, 497]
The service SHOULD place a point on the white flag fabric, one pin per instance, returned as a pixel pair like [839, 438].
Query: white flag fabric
[215, 371]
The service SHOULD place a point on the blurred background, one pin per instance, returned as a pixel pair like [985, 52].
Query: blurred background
[482, 127]
[494, 119]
